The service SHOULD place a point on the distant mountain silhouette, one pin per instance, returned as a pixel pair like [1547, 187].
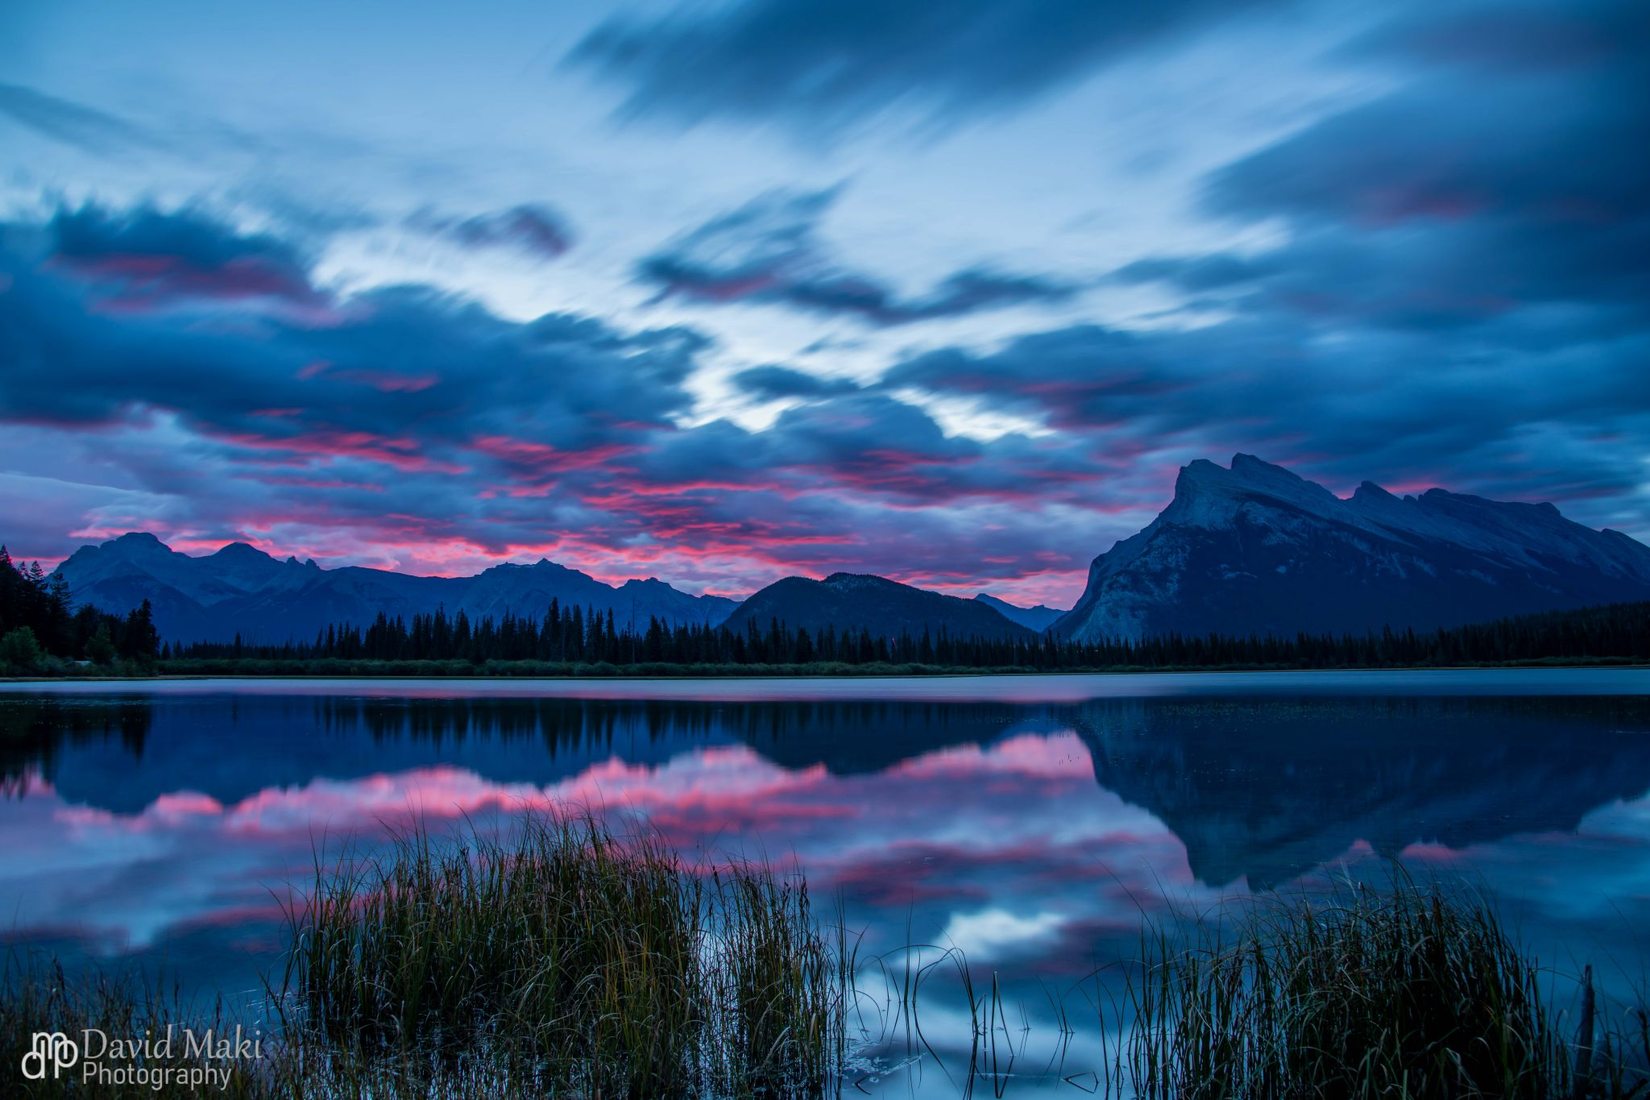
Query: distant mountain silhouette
[885, 608]
[1254, 549]
[1037, 618]
[242, 590]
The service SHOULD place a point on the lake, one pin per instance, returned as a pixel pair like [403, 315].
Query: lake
[1029, 823]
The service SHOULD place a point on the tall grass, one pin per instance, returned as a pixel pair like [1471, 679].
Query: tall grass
[566, 962]
[571, 960]
[1401, 993]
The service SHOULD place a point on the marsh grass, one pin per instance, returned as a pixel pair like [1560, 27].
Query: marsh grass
[1404, 992]
[569, 961]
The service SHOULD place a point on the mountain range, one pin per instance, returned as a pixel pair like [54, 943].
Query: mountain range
[240, 590]
[1252, 549]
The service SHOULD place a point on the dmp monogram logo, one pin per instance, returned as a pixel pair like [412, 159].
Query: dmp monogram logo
[51, 1050]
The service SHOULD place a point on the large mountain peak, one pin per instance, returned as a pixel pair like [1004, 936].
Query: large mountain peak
[1210, 495]
[1255, 548]
[240, 551]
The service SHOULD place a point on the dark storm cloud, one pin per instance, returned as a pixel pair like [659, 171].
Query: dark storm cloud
[72, 123]
[532, 229]
[1503, 175]
[768, 251]
[358, 376]
[821, 65]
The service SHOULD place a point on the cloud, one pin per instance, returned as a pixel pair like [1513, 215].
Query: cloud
[772, 383]
[825, 65]
[409, 428]
[1505, 174]
[73, 124]
[147, 257]
[438, 370]
[531, 229]
[768, 251]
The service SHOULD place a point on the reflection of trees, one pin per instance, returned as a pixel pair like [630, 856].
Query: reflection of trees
[846, 736]
[1268, 788]
[33, 731]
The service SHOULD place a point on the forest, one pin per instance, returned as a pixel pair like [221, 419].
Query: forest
[41, 631]
[577, 639]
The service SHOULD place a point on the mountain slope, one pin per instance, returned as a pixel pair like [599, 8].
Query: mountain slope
[1032, 618]
[853, 601]
[240, 590]
[1254, 549]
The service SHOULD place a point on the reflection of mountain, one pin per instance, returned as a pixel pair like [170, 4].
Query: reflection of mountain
[1267, 789]
[230, 748]
[1263, 788]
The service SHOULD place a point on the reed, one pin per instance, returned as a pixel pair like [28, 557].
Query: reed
[570, 960]
[1404, 992]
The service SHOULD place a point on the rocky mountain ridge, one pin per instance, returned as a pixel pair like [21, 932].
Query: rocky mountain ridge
[1256, 549]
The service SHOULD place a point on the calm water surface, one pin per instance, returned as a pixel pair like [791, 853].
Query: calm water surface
[1031, 822]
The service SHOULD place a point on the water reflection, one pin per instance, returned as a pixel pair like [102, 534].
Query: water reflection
[1266, 790]
[1033, 835]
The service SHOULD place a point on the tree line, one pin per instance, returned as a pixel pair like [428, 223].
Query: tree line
[588, 637]
[42, 631]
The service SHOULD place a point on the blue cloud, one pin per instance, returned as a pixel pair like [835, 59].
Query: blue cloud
[72, 123]
[822, 65]
[774, 382]
[768, 251]
[532, 229]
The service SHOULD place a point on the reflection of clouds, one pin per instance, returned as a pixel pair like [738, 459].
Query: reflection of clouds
[1008, 849]
[1038, 825]
[1029, 755]
[993, 933]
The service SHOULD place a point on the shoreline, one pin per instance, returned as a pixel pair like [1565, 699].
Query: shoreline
[783, 672]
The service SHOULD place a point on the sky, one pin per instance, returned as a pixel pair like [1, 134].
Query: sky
[721, 293]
